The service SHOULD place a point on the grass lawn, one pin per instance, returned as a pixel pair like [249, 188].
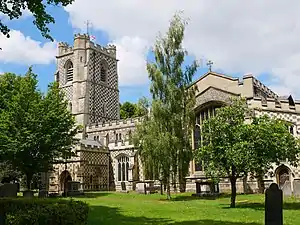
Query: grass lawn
[121, 208]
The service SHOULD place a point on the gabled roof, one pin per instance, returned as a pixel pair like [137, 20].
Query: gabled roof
[218, 89]
[217, 75]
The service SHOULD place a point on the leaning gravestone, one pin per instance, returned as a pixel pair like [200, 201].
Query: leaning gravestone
[273, 205]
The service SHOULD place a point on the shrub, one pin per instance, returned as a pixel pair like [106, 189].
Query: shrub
[21, 211]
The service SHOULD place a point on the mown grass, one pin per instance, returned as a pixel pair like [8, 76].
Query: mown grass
[130, 208]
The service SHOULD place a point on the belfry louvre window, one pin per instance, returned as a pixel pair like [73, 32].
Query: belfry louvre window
[69, 70]
[103, 74]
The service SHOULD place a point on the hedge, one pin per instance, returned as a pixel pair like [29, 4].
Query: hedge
[34, 211]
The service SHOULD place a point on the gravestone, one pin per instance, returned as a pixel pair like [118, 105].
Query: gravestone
[28, 194]
[8, 190]
[43, 194]
[123, 187]
[273, 205]
[296, 187]
[287, 188]
[73, 188]
[140, 188]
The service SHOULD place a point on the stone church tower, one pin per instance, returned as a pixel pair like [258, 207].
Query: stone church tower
[88, 75]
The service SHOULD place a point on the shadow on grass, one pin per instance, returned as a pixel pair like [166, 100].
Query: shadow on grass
[261, 206]
[107, 215]
[93, 194]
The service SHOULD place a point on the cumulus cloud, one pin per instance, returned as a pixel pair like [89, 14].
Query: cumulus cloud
[22, 49]
[254, 36]
[132, 65]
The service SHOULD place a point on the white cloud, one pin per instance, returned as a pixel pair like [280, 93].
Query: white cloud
[256, 36]
[132, 65]
[23, 50]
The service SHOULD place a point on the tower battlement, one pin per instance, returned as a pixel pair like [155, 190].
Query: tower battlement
[82, 36]
[109, 50]
[64, 48]
[83, 41]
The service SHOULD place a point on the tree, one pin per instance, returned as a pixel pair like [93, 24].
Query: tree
[127, 110]
[224, 149]
[8, 174]
[13, 9]
[35, 129]
[232, 148]
[271, 143]
[130, 110]
[163, 136]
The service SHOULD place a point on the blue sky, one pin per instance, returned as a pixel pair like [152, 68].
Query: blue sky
[71, 20]
[62, 30]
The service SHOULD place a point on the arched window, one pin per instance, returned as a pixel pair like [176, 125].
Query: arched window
[103, 71]
[292, 129]
[123, 168]
[69, 71]
[57, 77]
[104, 109]
[107, 139]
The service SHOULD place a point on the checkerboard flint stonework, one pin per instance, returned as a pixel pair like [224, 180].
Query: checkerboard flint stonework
[88, 75]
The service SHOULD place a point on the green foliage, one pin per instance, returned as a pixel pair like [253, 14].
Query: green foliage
[272, 143]
[8, 174]
[34, 129]
[163, 137]
[21, 211]
[232, 147]
[13, 9]
[127, 110]
[130, 110]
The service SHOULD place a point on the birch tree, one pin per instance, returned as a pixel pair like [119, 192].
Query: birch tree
[163, 139]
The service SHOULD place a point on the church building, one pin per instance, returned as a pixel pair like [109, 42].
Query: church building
[106, 158]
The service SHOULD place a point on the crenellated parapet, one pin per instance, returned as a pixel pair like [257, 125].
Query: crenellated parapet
[109, 50]
[274, 104]
[64, 48]
[259, 85]
[116, 124]
[81, 36]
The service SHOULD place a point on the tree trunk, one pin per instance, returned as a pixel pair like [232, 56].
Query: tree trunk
[261, 184]
[28, 181]
[233, 191]
[168, 191]
[182, 182]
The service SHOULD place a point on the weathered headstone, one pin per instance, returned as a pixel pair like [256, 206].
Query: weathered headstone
[296, 186]
[28, 194]
[43, 194]
[273, 205]
[73, 188]
[8, 190]
[123, 186]
[140, 188]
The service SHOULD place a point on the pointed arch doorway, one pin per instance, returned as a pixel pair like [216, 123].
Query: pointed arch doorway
[65, 177]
